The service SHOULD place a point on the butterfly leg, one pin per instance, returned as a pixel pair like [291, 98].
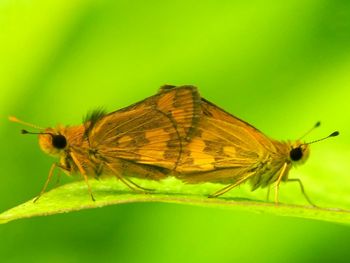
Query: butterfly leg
[268, 193]
[53, 166]
[229, 187]
[83, 173]
[133, 186]
[279, 179]
[58, 177]
[144, 189]
[302, 190]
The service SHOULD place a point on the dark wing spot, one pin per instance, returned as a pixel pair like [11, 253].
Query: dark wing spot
[166, 87]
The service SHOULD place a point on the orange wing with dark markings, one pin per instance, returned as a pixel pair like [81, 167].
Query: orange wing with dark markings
[225, 149]
[211, 110]
[153, 131]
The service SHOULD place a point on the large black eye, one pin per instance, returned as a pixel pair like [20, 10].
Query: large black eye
[59, 141]
[296, 154]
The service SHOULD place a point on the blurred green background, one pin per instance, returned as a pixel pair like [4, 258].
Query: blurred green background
[280, 65]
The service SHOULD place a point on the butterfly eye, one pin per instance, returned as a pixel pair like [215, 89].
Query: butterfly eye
[59, 141]
[296, 154]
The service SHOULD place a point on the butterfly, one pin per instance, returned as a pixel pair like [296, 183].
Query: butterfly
[225, 149]
[144, 140]
[173, 133]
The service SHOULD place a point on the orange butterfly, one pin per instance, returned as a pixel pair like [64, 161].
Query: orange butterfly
[175, 132]
[227, 150]
[145, 139]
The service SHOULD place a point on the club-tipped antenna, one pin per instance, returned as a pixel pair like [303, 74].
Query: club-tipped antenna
[317, 124]
[333, 134]
[14, 119]
[28, 132]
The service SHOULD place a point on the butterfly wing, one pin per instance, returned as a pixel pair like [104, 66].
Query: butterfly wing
[225, 148]
[153, 131]
[213, 111]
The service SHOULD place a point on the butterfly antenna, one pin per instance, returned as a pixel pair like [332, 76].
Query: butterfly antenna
[14, 119]
[28, 132]
[334, 134]
[314, 127]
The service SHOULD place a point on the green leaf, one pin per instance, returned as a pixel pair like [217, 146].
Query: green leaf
[75, 197]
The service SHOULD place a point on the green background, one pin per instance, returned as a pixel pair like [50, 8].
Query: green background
[280, 65]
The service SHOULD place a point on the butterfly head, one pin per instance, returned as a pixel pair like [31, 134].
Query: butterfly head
[299, 152]
[52, 142]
